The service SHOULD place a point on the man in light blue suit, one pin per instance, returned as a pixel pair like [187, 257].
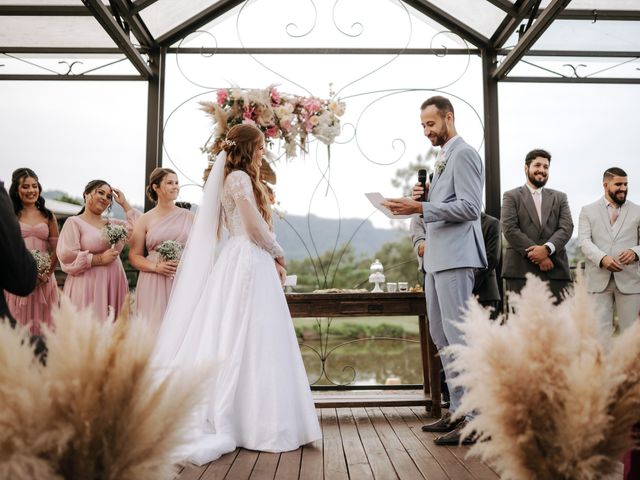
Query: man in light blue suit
[455, 245]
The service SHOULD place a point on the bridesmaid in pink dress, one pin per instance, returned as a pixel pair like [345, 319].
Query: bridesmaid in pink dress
[163, 222]
[40, 232]
[95, 276]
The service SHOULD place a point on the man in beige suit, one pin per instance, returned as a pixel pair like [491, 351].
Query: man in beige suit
[608, 234]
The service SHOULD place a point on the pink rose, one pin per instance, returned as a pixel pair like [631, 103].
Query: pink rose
[312, 105]
[248, 121]
[286, 125]
[272, 131]
[308, 126]
[275, 97]
[248, 113]
[223, 95]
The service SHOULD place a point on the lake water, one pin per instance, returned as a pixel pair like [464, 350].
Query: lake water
[373, 361]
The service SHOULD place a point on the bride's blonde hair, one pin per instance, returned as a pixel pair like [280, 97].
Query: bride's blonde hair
[240, 145]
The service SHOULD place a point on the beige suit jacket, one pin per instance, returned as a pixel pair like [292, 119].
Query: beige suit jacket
[597, 238]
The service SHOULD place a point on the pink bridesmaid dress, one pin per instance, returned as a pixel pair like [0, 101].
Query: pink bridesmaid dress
[102, 287]
[35, 309]
[153, 289]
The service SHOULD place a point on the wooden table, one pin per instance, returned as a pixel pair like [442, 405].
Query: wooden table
[378, 304]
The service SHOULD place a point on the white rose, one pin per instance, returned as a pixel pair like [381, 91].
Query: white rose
[282, 112]
[338, 108]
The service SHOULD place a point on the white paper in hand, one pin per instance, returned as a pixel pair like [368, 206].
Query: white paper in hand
[376, 200]
[291, 281]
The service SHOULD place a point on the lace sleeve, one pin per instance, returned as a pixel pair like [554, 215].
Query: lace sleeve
[254, 225]
[239, 186]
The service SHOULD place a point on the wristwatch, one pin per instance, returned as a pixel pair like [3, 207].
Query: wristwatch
[548, 249]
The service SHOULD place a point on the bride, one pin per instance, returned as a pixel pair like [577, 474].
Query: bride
[227, 307]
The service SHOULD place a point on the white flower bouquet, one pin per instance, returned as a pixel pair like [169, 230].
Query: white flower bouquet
[43, 261]
[170, 250]
[114, 234]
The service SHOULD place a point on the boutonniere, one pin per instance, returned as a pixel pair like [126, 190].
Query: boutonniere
[439, 166]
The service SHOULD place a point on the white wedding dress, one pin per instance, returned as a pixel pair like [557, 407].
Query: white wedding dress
[227, 307]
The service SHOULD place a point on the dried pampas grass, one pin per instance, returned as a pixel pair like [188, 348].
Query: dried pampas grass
[554, 398]
[98, 410]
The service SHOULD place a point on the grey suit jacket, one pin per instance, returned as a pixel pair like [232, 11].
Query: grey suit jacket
[598, 238]
[417, 230]
[521, 228]
[452, 212]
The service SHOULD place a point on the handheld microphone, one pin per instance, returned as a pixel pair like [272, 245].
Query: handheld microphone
[422, 180]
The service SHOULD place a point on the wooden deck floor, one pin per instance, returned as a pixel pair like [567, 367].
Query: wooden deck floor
[358, 443]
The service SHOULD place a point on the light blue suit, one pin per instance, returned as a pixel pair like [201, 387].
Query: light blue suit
[455, 246]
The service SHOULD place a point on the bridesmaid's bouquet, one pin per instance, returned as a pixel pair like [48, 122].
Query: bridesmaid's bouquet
[43, 261]
[170, 250]
[113, 233]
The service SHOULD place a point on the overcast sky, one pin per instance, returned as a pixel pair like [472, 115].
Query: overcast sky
[72, 132]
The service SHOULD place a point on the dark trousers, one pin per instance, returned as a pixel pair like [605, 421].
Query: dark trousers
[632, 465]
[494, 305]
[557, 287]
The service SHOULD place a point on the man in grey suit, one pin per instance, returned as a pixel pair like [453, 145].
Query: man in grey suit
[417, 231]
[536, 222]
[608, 232]
[485, 284]
[455, 248]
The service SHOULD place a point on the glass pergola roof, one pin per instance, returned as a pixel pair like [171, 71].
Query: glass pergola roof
[531, 41]
[512, 30]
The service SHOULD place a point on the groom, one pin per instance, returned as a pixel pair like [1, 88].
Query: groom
[456, 248]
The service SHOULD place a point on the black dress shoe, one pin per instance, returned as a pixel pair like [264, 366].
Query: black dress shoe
[445, 424]
[455, 438]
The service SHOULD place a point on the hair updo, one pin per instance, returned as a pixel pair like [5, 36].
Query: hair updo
[156, 177]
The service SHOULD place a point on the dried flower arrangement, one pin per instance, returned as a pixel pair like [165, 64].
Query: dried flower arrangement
[286, 117]
[554, 398]
[97, 410]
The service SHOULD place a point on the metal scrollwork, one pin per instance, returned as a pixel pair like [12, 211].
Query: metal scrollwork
[389, 62]
[355, 25]
[294, 26]
[325, 265]
[203, 53]
[324, 351]
[253, 57]
[575, 68]
[70, 66]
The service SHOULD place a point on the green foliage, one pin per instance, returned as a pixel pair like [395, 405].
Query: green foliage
[351, 330]
[68, 199]
[340, 269]
[386, 330]
[131, 272]
[398, 258]
[399, 261]
[406, 177]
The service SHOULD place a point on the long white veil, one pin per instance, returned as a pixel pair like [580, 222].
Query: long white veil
[193, 271]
